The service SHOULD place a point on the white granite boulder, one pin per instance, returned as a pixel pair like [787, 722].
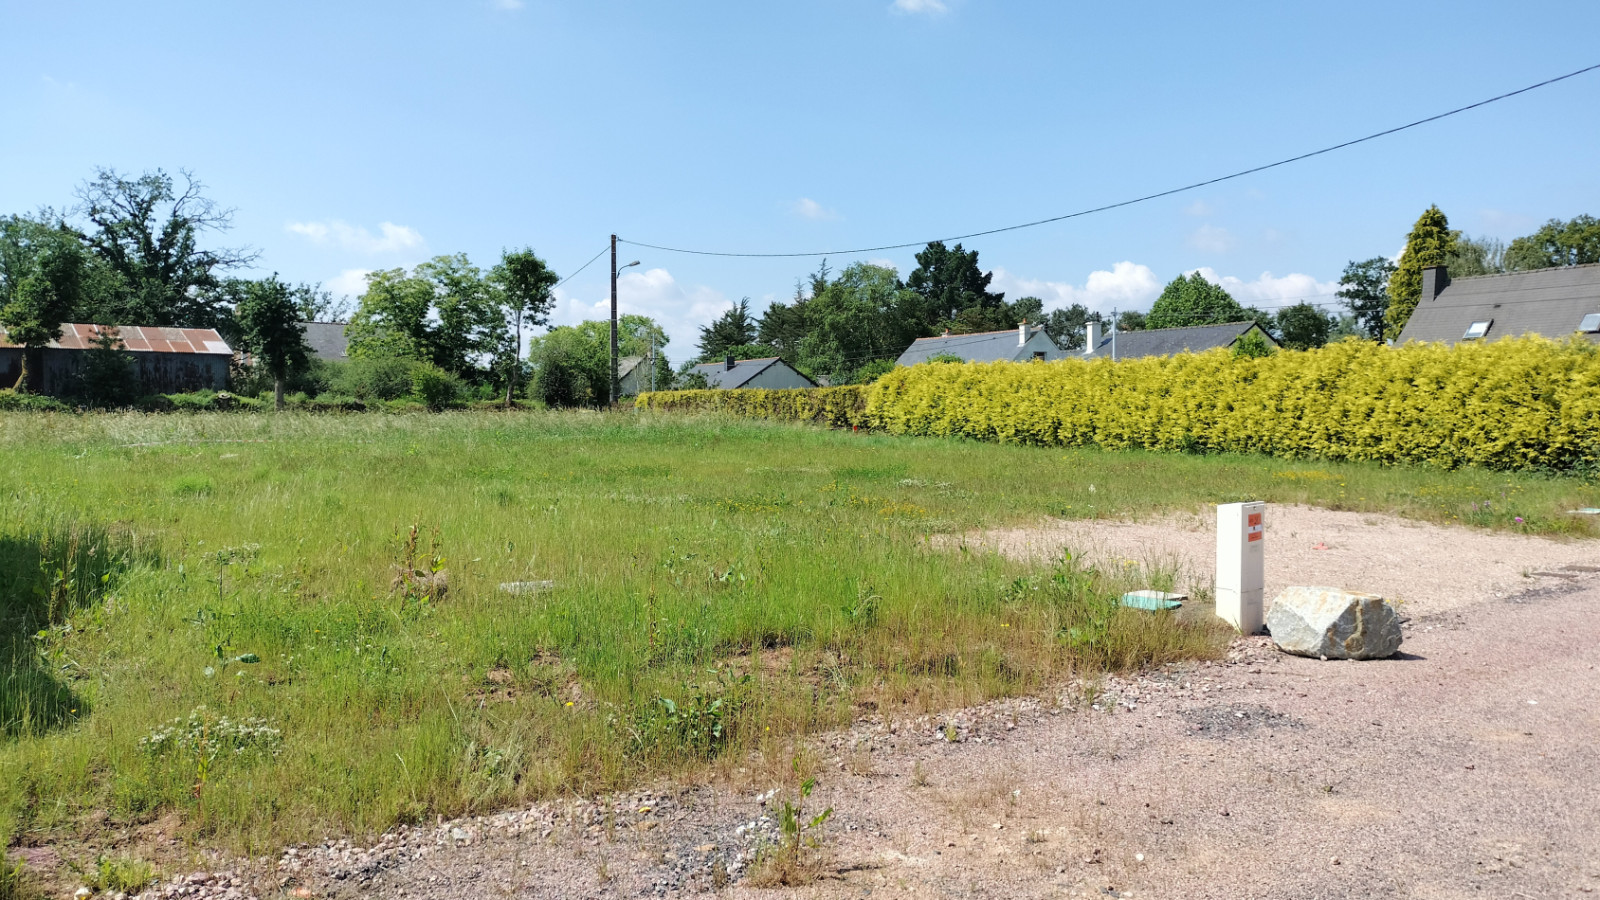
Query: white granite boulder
[1332, 623]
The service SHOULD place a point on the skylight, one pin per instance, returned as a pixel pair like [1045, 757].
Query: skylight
[1478, 330]
[1590, 323]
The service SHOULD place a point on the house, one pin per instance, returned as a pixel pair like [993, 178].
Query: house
[165, 360]
[327, 340]
[1019, 344]
[771, 372]
[1555, 303]
[633, 375]
[1167, 341]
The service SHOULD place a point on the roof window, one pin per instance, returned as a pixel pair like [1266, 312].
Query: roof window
[1590, 323]
[1477, 330]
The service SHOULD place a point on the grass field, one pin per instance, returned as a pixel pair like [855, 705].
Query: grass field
[230, 618]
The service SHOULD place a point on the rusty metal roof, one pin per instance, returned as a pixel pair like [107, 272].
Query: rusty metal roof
[202, 341]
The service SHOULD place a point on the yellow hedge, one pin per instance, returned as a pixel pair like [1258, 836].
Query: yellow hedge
[836, 406]
[1527, 403]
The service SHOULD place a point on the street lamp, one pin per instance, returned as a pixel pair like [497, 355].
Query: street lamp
[614, 385]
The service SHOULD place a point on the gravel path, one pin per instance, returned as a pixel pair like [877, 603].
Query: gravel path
[1465, 767]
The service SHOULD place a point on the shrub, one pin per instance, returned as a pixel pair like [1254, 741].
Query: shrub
[840, 407]
[12, 401]
[434, 387]
[1526, 403]
[372, 378]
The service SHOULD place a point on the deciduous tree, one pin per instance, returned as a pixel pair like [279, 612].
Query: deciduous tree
[523, 285]
[1303, 326]
[1364, 289]
[1192, 300]
[149, 233]
[42, 273]
[270, 328]
[1558, 243]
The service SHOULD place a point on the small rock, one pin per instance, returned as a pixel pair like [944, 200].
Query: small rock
[1330, 623]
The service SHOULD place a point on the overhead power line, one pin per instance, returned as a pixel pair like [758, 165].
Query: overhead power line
[1110, 206]
[582, 267]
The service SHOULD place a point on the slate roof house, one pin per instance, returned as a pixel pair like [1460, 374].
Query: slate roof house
[633, 375]
[166, 360]
[1555, 303]
[771, 372]
[1167, 341]
[1018, 344]
[327, 340]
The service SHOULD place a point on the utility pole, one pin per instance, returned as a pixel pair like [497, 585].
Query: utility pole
[614, 385]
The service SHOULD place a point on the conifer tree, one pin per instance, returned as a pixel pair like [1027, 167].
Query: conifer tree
[1429, 244]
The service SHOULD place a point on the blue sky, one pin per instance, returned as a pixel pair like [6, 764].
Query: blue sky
[354, 136]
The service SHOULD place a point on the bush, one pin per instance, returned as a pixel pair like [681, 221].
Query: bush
[10, 400]
[372, 378]
[1528, 403]
[841, 407]
[434, 387]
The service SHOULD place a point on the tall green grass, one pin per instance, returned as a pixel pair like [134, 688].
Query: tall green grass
[692, 592]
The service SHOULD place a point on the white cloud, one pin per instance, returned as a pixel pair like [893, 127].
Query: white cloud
[507, 5]
[1198, 209]
[884, 264]
[350, 283]
[1212, 239]
[681, 310]
[1273, 291]
[391, 238]
[1126, 285]
[914, 7]
[807, 208]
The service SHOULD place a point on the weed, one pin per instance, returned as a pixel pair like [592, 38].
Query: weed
[919, 775]
[14, 880]
[119, 874]
[792, 860]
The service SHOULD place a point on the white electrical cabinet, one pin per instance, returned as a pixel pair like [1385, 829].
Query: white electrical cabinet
[1241, 544]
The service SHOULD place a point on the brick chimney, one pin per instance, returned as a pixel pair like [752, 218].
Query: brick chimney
[1022, 333]
[1091, 337]
[729, 362]
[1434, 280]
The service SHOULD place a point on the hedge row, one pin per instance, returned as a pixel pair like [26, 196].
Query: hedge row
[1527, 403]
[836, 406]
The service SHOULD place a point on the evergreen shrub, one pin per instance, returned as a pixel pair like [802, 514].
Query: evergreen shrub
[1515, 404]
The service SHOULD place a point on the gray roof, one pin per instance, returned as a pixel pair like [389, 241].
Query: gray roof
[1168, 341]
[327, 340]
[983, 346]
[625, 365]
[718, 375]
[1548, 302]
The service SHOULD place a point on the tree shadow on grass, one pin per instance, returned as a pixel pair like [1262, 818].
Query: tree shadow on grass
[45, 576]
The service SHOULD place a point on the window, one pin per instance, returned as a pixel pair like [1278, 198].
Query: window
[1477, 330]
[1038, 355]
[1590, 323]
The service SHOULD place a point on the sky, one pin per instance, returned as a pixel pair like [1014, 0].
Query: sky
[353, 136]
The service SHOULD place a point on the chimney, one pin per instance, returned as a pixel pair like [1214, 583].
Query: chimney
[1022, 333]
[729, 362]
[1434, 280]
[1091, 337]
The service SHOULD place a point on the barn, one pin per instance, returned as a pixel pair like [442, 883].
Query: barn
[160, 360]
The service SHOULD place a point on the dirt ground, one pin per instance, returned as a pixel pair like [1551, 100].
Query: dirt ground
[1464, 767]
[1423, 568]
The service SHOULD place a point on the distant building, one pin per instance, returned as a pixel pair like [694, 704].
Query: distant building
[165, 360]
[327, 340]
[633, 376]
[771, 372]
[1555, 303]
[1018, 344]
[1167, 341]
